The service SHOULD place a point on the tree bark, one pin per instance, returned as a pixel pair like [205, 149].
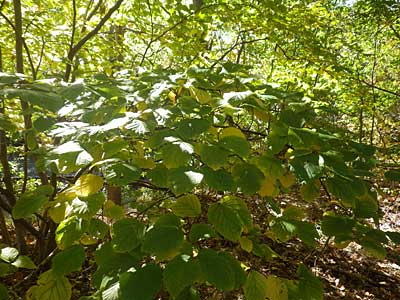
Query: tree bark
[19, 60]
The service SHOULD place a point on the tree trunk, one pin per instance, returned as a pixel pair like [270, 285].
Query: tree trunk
[114, 194]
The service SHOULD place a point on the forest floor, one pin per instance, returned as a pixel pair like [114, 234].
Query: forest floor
[346, 273]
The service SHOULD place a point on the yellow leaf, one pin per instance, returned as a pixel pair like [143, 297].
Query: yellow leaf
[231, 131]
[87, 240]
[246, 244]
[57, 212]
[87, 185]
[144, 163]
[261, 115]
[213, 130]
[267, 187]
[310, 191]
[141, 106]
[287, 180]
[276, 288]
[66, 196]
[201, 96]
[139, 147]
[172, 96]
[113, 211]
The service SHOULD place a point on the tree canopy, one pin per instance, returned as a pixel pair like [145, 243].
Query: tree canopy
[155, 146]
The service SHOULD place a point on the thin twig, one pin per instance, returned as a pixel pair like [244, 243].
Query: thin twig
[74, 50]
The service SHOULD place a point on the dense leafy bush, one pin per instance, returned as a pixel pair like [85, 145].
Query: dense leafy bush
[192, 152]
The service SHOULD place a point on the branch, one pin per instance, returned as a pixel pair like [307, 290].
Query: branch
[396, 33]
[6, 164]
[94, 11]
[23, 43]
[226, 52]
[244, 42]
[379, 88]
[71, 45]
[152, 34]
[74, 50]
[41, 56]
[87, 10]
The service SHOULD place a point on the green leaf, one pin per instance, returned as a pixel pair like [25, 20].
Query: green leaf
[310, 287]
[72, 91]
[113, 211]
[143, 284]
[25, 262]
[111, 263]
[191, 128]
[264, 251]
[159, 176]
[174, 156]
[283, 229]
[8, 78]
[97, 228]
[310, 191]
[7, 269]
[221, 270]
[3, 292]
[69, 260]
[30, 202]
[394, 236]
[43, 123]
[373, 247]
[114, 146]
[163, 241]
[338, 226]
[235, 144]
[248, 178]
[47, 100]
[307, 167]
[271, 167]
[241, 208]
[307, 233]
[345, 190]
[180, 273]
[182, 181]
[219, 180]
[366, 206]
[111, 293]
[168, 219]
[187, 206]
[68, 147]
[393, 175]
[50, 287]
[127, 234]
[246, 244]
[69, 231]
[189, 294]
[240, 275]
[201, 231]
[8, 254]
[214, 156]
[292, 212]
[256, 287]
[87, 207]
[276, 288]
[122, 174]
[226, 221]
